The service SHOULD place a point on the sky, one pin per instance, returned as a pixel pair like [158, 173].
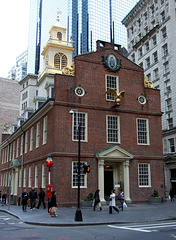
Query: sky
[14, 25]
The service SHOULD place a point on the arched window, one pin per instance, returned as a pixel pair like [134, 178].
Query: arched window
[59, 36]
[60, 61]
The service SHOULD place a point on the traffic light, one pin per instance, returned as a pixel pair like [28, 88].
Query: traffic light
[86, 168]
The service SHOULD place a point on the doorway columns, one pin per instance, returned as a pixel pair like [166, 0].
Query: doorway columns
[101, 179]
[127, 181]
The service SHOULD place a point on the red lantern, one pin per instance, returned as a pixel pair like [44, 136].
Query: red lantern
[49, 161]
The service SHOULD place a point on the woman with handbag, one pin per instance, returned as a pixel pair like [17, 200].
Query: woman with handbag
[112, 202]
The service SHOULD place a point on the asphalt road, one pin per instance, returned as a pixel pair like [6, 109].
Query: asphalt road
[13, 228]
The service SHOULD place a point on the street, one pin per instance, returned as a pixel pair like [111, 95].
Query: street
[13, 228]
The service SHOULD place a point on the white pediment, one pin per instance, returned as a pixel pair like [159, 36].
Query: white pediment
[114, 152]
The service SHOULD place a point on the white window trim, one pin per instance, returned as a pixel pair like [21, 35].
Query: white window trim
[30, 177]
[44, 175]
[149, 176]
[26, 142]
[86, 127]
[118, 120]
[31, 138]
[36, 176]
[38, 135]
[117, 84]
[45, 130]
[85, 176]
[147, 125]
[24, 178]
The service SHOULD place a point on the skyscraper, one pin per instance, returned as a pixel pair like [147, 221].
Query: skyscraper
[86, 21]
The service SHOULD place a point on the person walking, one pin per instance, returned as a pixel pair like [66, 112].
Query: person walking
[53, 205]
[3, 199]
[97, 200]
[0, 196]
[24, 200]
[33, 197]
[171, 193]
[41, 198]
[121, 198]
[112, 203]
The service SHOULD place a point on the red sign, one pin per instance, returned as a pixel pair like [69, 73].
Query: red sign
[48, 191]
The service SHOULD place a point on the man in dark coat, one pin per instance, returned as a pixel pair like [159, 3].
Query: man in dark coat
[41, 198]
[24, 200]
[33, 197]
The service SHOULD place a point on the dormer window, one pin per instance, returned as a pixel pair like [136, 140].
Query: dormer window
[60, 61]
[59, 36]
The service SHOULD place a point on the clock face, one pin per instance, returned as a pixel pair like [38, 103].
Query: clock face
[111, 62]
[142, 99]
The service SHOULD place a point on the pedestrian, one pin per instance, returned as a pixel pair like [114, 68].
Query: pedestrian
[41, 198]
[171, 194]
[121, 198]
[0, 197]
[53, 205]
[112, 203]
[24, 200]
[97, 200]
[33, 197]
[3, 199]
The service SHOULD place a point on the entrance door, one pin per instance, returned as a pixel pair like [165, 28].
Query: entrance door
[108, 183]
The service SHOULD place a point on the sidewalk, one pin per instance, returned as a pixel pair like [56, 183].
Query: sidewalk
[134, 213]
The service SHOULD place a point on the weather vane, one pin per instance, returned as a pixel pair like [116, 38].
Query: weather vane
[58, 13]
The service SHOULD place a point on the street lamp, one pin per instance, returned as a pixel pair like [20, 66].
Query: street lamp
[78, 213]
[49, 163]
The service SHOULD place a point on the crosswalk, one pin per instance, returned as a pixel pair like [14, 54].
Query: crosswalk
[146, 227]
[8, 220]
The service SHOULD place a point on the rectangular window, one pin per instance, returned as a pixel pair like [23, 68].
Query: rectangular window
[113, 129]
[165, 50]
[148, 77]
[170, 123]
[172, 144]
[26, 142]
[36, 176]
[111, 82]
[81, 119]
[144, 175]
[167, 86]
[45, 130]
[169, 104]
[20, 177]
[142, 131]
[156, 74]
[140, 52]
[163, 17]
[30, 177]
[147, 46]
[166, 68]
[38, 135]
[21, 148]
[31, 138]
[83, 177]
[24, 178]
[154, 40]
[17, 148]
[43, 175]
[155, 57]
[147, 62]
[13, 156]
[163, 32]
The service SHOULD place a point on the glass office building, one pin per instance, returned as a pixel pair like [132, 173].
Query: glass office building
[86, 21]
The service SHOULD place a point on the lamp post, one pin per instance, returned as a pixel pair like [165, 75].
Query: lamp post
[78, 213]
[49, 163]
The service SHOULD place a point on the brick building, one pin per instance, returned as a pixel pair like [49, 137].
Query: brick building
[120, 139]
